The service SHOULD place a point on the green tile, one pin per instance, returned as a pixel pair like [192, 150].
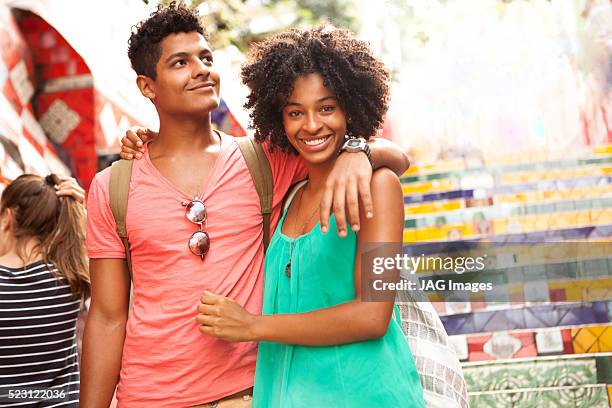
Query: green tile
[576, 397]
[604, 370]
[410, 223]
[531, 374]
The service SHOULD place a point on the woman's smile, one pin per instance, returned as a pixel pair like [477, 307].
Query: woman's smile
[315, 144]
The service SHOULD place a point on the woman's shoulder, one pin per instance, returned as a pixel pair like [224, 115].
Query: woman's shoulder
[384, 180]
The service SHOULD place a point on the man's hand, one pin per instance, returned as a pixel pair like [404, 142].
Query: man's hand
[348, 181]
[133, 142]
[69, 187]
[222, 317]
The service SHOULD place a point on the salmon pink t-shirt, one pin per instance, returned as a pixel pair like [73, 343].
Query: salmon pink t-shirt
[166, 361]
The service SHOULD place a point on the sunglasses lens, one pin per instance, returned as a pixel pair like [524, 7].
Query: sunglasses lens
[199, 243]
[196, 212]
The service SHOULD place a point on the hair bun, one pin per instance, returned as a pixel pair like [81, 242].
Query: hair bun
[51, 180]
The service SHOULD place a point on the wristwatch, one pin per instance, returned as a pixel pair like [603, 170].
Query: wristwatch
[355, 145]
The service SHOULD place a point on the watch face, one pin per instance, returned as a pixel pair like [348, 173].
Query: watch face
[354, 143]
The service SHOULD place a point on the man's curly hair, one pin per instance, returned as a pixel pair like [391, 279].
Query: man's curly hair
[349, 69]
[144, 47]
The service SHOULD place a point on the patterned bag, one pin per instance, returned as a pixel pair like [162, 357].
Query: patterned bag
[434, 356]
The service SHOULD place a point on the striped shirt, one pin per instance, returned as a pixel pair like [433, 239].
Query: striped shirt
[38, 347]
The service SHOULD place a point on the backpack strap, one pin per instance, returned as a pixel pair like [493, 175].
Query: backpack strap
[291, 194]
[118, 189]
[261, 173]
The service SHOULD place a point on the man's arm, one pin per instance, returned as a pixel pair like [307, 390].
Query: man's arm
[349, 183]
[387, 154]
[104, 331]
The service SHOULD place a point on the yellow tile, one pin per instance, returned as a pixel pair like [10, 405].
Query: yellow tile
[600, 216]
[452, 205]
[584, 340]
[554, 285]
[528, 224]
[410, 235]
[415, 188]
[424, 234]
[412, 171]
[605, 340]
[573, 294]
[439, 232]
[563, 220]
[500, 226]
[606, 216]
[592, 339]
[583, 218]
[418, 209]
[603, 149]
[541, 224]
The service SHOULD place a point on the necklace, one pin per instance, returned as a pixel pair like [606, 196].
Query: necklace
[314, 211]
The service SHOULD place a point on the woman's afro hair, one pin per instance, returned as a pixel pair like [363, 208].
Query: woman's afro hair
[348, 68]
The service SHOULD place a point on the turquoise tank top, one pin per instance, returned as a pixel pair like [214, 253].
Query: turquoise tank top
[369, 374]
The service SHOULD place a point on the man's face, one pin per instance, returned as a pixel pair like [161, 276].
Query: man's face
[186, 82]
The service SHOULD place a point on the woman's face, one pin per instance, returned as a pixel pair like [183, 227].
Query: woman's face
[313, 120]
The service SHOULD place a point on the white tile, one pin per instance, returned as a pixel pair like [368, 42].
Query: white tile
[549, 341]
[21, 82]
[59, 121]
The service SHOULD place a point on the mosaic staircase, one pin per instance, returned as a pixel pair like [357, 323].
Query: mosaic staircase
[545, 341]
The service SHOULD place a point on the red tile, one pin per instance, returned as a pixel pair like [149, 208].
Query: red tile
[9, 93]
[568, 347]
[478, 305]
[557, 295]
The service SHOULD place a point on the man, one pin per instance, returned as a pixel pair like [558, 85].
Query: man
[158, 357]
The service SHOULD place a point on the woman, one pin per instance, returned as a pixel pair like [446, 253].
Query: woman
[321, 345]
[43, 282]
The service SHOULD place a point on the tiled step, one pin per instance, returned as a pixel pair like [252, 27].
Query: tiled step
[531, 374]
[527, 318]
[531, 343]
[584, 396]
[518, 295]
[512, 225]
[425, 173]
[468, 193]
[480, 214]
[467, 233]
[492, 183]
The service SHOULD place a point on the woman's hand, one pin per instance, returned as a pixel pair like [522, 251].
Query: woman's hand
[133, 142]
[222, 317]
[69, 187]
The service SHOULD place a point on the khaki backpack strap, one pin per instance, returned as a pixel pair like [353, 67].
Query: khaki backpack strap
[259, 167]
[118, 189]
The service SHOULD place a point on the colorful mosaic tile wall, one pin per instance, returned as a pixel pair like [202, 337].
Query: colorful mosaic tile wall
[540, 339]
[24, 145]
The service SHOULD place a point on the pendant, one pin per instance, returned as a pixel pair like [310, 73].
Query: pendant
[288, 269]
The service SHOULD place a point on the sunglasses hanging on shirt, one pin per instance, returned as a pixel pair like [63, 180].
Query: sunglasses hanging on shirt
[199, 242]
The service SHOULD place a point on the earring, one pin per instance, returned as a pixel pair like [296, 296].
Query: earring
[349, 135]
